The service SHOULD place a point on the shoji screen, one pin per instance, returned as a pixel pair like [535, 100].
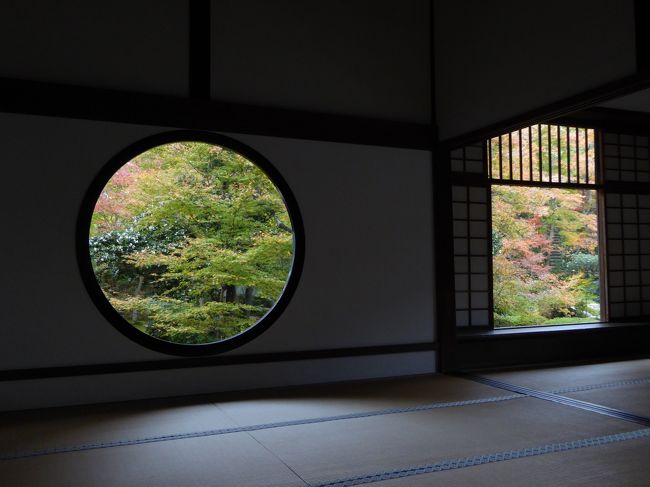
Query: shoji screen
[626, 164]
[471, 227]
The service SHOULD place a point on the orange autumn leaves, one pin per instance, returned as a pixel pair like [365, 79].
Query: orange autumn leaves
[545, 244]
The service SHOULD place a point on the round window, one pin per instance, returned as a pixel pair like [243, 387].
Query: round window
[189, 243]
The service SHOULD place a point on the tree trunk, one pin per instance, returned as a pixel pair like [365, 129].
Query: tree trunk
[249, 294]
[138, 292]
[231, 293]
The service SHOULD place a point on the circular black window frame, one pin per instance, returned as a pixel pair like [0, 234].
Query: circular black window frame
[94, 289]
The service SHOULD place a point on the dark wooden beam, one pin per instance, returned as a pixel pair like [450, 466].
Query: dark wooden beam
[642, 35]
[612, 119]
[552, 111]
[199, 47]
[443, 271]
[55, 100]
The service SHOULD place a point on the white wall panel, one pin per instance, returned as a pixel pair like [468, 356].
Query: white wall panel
[638, 101]
[364, 57]
[121, 44]
[367, 212]
[495, 60]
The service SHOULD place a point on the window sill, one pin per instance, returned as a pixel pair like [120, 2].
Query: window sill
[483, 334]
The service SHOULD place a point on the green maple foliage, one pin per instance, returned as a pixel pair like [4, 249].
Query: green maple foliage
[191, 242]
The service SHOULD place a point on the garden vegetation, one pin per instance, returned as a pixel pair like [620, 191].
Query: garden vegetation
[191, 243]
[545, 255]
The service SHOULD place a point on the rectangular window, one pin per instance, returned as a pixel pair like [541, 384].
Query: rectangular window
[544, 256]
[544, 219]
[551, 225]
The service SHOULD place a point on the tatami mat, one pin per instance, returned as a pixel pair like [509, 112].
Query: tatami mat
[61, 427]
[343, 449]
[235, 460]
[555, 378]
[66, 427]
[616, 465]
[310, 453]
[337, 399]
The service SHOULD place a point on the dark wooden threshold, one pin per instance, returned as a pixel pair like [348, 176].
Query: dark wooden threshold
[515, 332]
[219, 360]
[546, 345]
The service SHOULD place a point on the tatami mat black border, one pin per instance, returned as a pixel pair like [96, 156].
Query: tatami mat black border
[255, 427]
[519, 392]
[567, 401]
[604, 385]
[458, 463]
